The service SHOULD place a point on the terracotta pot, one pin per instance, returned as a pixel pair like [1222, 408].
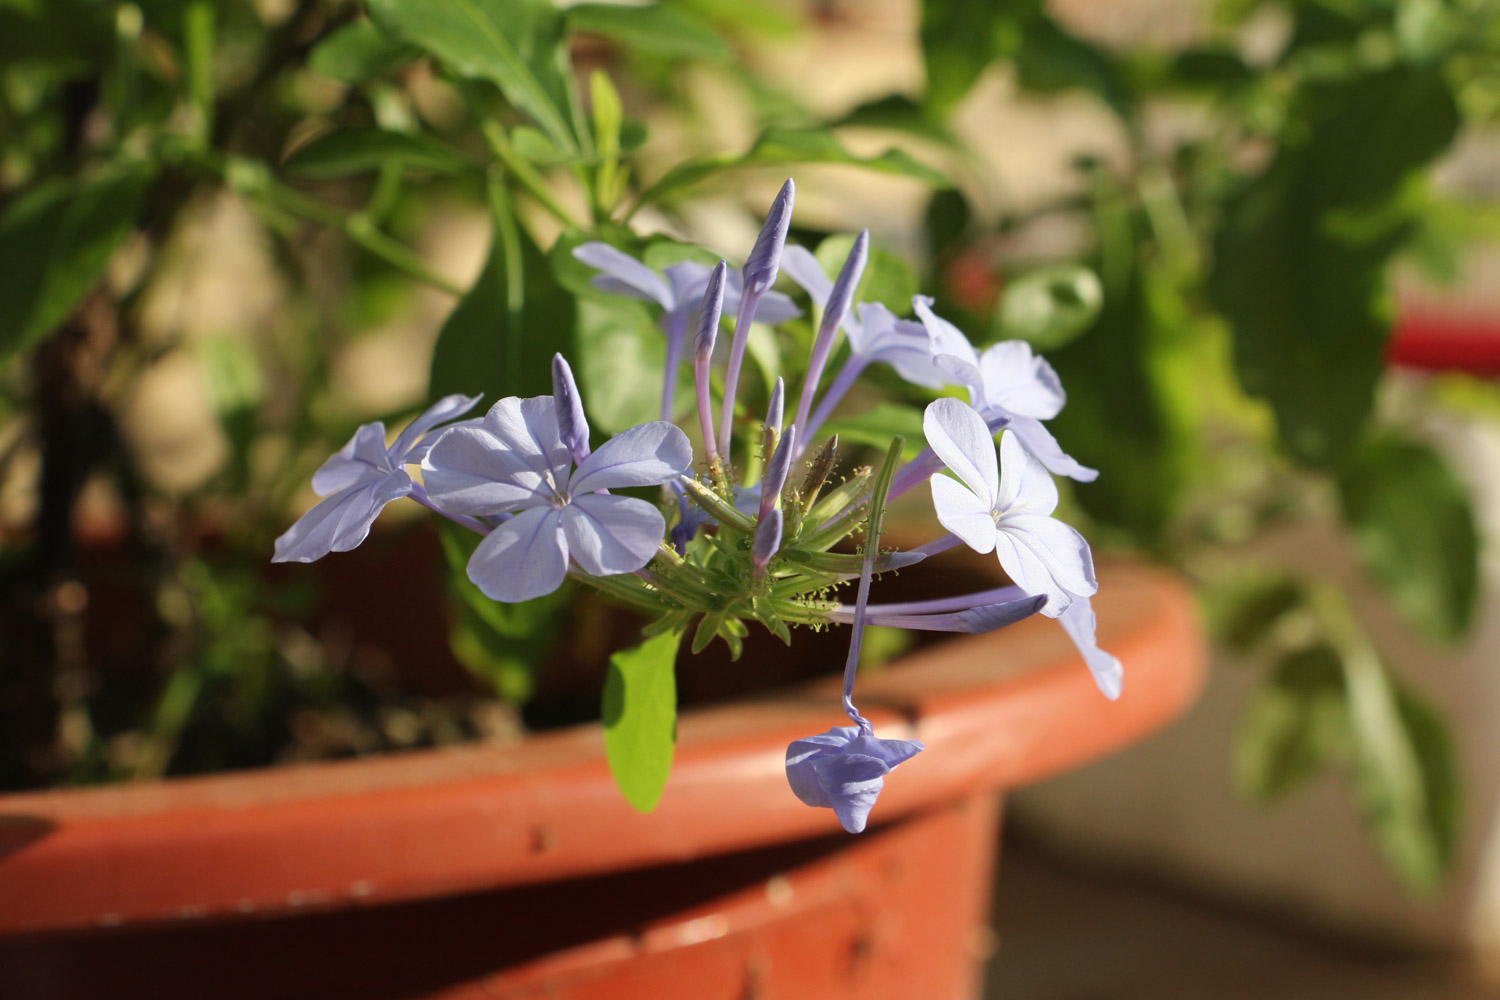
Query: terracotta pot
[522, 873]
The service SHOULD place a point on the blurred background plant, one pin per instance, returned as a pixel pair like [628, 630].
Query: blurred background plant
[233, 231]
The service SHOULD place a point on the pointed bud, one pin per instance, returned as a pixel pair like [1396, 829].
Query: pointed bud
[817, 473]
[842, 296]
[571, 422]
[765, 257]
[703, 352]
[767, 541]
[774, 415]
[774, 481]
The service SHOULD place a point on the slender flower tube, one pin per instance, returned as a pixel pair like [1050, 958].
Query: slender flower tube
[703, 352]
[573, 425]
[835, 309]
[760, 274]
[974, 620]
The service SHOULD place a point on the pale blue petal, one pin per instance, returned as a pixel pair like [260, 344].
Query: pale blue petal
[946, 338]
[528, 428]
[624, 275]
[853, 783]
[844, 769]
[1025, 485]
[960, 437]
[801, 266]
[772, 309]
[1080, 624]
[612, 534]
[689, 280]
[421, 448]
[362, 460]
[523, 558]
[1039, 441]
[342, 521]
[963, 513]
[646, 455]
[1020, 382]
[440, 412]
[468, 471]
[1048, 557]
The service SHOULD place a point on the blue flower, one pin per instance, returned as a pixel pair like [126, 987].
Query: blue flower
[517, 463]
[359, 481]
[844, 770]
[1007, 510]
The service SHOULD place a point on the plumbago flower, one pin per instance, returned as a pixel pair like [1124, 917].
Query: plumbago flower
[714, 551]
[360, 480]
[1008, 510]
[520, 462]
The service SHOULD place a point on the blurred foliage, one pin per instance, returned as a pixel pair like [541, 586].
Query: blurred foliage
[1220, 323]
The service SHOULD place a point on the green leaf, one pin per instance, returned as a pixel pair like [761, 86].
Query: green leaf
[1301, 254]
[1414, 526]
[504, 645]
[640, 718]
[1294, 725]
[1051, 58]
[899, 113]
[500, 338]
[348, 151]
[357, 52]
[1244, 614]
[962, 37]
[1050, 306]
[878, 425]
[516, 44]
[888, 279]
[777, 146]
[619, 365]
[55, 241]
[655, 29]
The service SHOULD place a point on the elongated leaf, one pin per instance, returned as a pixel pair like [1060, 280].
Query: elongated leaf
[654, 28]
[640, 718]
[961, 37]
[1415, 528]
[878, 425]
[54, 243]
[783, 146]
[1295, 724]
[349, 151]
[515, 44]
[357, 52]
[500, 338]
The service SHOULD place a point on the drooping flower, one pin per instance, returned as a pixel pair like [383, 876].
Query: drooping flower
[1013, 388]
[359, 480]
[1007, 510]
[517, 463]
[844, 770]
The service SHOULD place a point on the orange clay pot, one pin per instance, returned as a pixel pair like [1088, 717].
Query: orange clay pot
[521, 872]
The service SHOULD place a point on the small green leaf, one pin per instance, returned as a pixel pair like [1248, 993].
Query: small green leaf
[888, 279]
[654, 28]
[877, 425]
[778, 146]
[609, 115]
[640, 718]
[622, 355]
[1414, 525]
[357, 52]
[348, 151]
[516, 44]
[1050, 306]
[1296, 722]
[55, 241]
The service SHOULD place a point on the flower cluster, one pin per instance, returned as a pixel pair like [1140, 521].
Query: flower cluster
[712, 554]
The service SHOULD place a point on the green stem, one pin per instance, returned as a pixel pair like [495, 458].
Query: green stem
[525, 173]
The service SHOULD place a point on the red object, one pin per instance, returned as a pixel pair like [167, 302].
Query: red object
[1433, 340]
[521, 872]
